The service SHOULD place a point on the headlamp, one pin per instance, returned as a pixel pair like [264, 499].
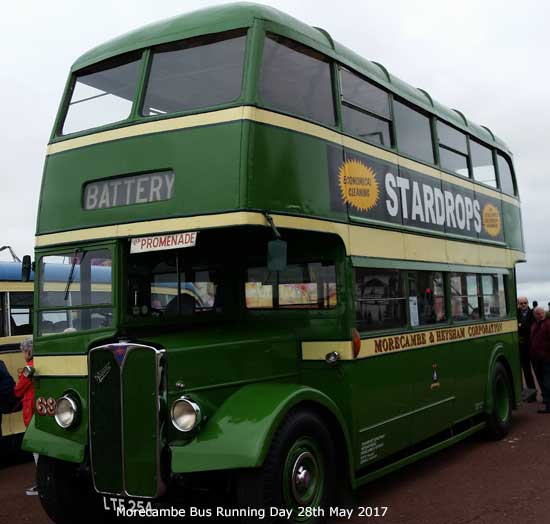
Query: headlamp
[186, 414]
[66, 412]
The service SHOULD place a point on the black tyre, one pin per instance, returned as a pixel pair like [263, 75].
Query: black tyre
[298, 473]
[498, 421]
[65, 493]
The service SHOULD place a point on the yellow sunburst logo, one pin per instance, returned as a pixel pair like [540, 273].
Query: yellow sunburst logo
[358, 185]
[492, 222]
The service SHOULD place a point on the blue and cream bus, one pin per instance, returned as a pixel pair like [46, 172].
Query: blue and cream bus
[16, 310]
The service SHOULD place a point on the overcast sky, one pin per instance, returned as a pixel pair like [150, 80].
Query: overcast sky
[488, 59]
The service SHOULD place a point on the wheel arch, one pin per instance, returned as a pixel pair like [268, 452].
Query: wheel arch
[498, 356]
[240, 432]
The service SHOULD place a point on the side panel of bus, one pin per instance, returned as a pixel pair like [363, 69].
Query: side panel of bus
[15, 325]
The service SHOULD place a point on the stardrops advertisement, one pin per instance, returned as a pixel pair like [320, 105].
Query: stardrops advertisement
[376, 190]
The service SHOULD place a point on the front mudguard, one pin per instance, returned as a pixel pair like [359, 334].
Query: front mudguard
[53, 446]
[239, 433]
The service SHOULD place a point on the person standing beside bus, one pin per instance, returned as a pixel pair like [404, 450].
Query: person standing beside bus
[525, 321]
[7, 397]
[540, 354]
[24, 389]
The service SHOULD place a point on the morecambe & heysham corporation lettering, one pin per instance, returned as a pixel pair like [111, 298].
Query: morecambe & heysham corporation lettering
[425, 338]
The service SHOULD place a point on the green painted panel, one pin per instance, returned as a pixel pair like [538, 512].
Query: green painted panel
[293, 173]
[70, 343]
[45, 443]
[55, 387]
[289, 173]
[140, 420]
[470, 360]
[432, 375]
[201, 158]
[382, 399]
[239, 433]
[105, 422]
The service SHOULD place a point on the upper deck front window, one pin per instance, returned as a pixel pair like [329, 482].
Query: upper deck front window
[195, 73]
[102, 95]
[191, 74]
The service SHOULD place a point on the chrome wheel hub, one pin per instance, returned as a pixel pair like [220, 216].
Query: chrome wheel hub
[303, 471]
[302, 478]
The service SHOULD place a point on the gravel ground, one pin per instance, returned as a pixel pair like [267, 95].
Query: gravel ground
[474, 482]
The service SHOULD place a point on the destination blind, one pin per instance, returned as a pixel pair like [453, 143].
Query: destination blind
[128, 190]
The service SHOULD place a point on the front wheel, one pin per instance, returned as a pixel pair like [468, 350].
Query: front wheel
[296, 481]
[65, 494]
[498, 420]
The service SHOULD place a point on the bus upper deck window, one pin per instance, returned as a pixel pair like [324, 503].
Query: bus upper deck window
[453, 149]
[296, 79]
[505, 175]
[365, 109]
[414, 136]
[102, 95]
[195, 73]
[482, 164]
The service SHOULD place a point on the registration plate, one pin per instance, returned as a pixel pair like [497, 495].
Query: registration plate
[122, 506]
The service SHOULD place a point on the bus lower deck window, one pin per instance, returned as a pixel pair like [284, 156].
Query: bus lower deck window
[380, 299]
[300, 286]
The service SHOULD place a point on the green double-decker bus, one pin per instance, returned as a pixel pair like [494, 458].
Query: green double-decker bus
[265, 263]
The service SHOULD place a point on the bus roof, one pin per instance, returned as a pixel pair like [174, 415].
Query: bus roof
[60, 273]
[11, 271]
[232, 16]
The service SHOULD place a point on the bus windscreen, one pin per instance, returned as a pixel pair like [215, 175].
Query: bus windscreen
[102, 96]
[75, 292]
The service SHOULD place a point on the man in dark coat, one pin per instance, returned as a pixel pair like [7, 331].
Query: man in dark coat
[525, 321]
[540, 354]
[7, 397]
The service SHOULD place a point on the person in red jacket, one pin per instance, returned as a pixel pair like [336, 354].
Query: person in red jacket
[24, 389]
[540, 354]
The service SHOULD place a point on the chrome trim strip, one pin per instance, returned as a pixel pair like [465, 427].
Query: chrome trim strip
[409, 413]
